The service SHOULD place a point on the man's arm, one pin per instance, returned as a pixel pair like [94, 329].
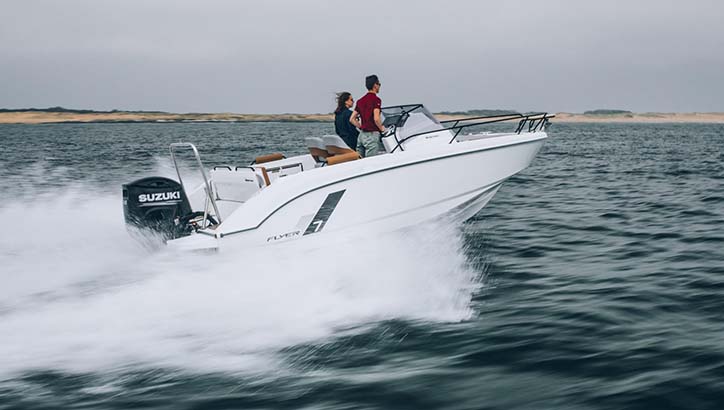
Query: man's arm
[378, 120]
[353, 119]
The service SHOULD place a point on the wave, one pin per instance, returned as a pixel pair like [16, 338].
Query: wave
[79, 294]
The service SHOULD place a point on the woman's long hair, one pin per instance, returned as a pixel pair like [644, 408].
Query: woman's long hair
[341, 99]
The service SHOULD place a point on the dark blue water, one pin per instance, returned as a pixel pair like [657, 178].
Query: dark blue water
[593, 280]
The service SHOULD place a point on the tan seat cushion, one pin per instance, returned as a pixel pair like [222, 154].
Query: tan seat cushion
[338, 159]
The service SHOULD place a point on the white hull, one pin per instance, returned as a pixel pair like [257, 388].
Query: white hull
[377, 194]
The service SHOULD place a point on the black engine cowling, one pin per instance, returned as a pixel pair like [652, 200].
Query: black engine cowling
[157, 204]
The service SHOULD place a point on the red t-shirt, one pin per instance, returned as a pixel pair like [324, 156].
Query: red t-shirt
[366, 109]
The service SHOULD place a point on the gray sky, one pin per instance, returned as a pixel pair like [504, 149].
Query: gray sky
[276, 56]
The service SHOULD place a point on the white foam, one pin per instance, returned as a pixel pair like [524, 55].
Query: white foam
[77, 293]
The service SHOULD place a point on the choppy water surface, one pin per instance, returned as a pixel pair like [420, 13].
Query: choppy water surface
[594, 279]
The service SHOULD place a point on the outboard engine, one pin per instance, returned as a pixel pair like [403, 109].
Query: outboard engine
[158, 204]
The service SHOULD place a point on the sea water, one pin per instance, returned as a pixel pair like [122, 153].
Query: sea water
[593, 279]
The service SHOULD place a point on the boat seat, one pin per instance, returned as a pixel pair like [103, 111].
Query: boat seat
[235, 185]
[336, 145]
[268, 158]
[338, 159]
[316, 148]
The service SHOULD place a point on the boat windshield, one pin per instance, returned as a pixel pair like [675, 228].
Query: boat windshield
[410, 119]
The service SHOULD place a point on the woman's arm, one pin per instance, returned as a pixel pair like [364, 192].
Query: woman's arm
[353, 119]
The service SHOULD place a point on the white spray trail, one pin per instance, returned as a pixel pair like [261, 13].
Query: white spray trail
[78, 294]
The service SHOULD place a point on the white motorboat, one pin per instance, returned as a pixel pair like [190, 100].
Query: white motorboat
[431, 169]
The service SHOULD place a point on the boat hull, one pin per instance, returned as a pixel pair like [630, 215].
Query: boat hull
[378, 194]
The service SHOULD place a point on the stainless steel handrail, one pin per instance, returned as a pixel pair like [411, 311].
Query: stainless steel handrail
[534, 122]
[209, 192]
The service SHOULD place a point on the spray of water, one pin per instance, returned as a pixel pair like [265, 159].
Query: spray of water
[79, 294]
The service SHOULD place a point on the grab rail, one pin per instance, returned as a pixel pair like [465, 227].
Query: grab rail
[207, 184]
[535, 122]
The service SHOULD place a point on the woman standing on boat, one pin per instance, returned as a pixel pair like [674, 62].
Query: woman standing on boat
[342, 125]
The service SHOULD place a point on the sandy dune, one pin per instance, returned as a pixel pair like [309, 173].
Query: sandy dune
[694, 117]
[38, 117]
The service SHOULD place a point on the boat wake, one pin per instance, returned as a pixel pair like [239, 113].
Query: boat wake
[79, 294]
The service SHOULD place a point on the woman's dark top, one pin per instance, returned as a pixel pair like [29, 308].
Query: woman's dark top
[345, 129]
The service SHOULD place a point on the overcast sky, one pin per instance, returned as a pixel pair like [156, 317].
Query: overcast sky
[276, 56]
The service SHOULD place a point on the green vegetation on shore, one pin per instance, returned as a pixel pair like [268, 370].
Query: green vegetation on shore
[479, 112]
[607, 112]
[76, 111]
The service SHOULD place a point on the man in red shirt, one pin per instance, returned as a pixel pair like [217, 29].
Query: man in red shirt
[368, 110]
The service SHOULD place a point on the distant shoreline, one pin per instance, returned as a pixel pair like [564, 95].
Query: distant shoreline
[125, 117]
[649, 117]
